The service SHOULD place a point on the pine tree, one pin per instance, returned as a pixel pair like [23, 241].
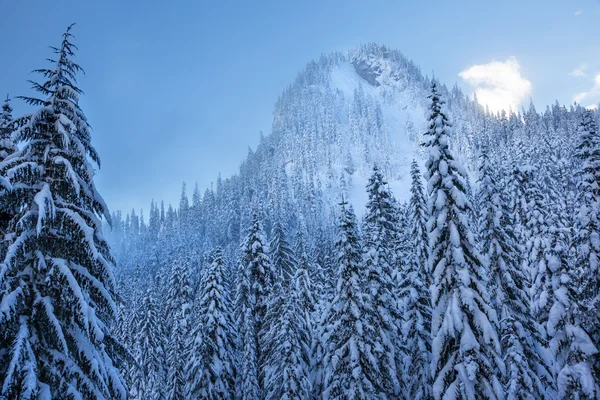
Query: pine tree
[178, 315]
[211, 366]
[286, 359]
[383, 316]
[149, 350]
[569, 343]
[416, 327]
[7, 147]
[465, 346]
[7, 126]
[526, 373]
[251, 305]
[283, 259]
[587, 228]
[349, 365]
[56, 280]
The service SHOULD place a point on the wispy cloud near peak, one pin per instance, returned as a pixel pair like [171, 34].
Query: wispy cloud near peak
[498, 84]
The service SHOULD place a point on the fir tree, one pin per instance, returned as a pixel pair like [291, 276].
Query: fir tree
[416, 327]
[465, 346]
[587, 228]
[570, 344]
[211, 367]
[286, 359]
[349, 365]
[383, 316]
[251, 306]
[526, 374]
[149, 351]
[178, 315]
[7, 147]
[56, 280]
[7, 126]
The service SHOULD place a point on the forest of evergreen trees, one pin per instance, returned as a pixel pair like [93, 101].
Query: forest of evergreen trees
[482, 283]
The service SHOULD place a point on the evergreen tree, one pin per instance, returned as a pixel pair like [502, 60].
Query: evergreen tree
[283, 259]
[56, 280]
[570, 344]
[149, 351]
[7, 126]
[416, 328]
[251, 306]
[178, 315]
[7, 147]
[381, 300]
[526, 374]
[211, 366]
[465, 346]
[349, 365]
[286, 359]
[587, 228]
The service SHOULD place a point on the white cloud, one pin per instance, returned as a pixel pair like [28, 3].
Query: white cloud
[578, 13]
[592, 95]
[579, 72]
[499, 85]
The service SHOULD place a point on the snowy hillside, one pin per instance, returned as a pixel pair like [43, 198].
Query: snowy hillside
[471, 271]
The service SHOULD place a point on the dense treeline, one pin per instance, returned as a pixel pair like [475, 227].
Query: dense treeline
[482, 280]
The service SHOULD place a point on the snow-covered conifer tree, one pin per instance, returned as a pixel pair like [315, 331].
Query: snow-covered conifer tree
[56, 280]
[381, 300]
[416, 327]
[7, 127]
[465, 347]
[211, 366]
[350, 369]
[149, 350]
[7, 147]
[178, 309]
[250, 309]
[287, 363]
[587, 228]
[526, 376]
[570, 344]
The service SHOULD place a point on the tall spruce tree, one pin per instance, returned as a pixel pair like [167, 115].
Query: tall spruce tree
[211, 366]
[7, 126]
[178, 309]
[465, 347]
[570, 344]
[416, 326]
[350, 366]
[381, 296]
[254, 271]
[7, 147]
[526, 376]
[149, 350]
[587, 228]
[287, 364]
[56, 280]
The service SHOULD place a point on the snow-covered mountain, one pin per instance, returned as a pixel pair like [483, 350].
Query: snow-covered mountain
[343, 114]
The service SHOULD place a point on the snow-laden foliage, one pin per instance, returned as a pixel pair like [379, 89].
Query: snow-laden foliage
[416, 325]
[211, 364]
[587, 228]
[466, 361]
[351, 370]
[294, 330]
[526, 375]
[56, 278]
[178, 322]
[381, 300]
[253, 275]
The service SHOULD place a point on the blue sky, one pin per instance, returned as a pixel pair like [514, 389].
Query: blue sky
[177, 90]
